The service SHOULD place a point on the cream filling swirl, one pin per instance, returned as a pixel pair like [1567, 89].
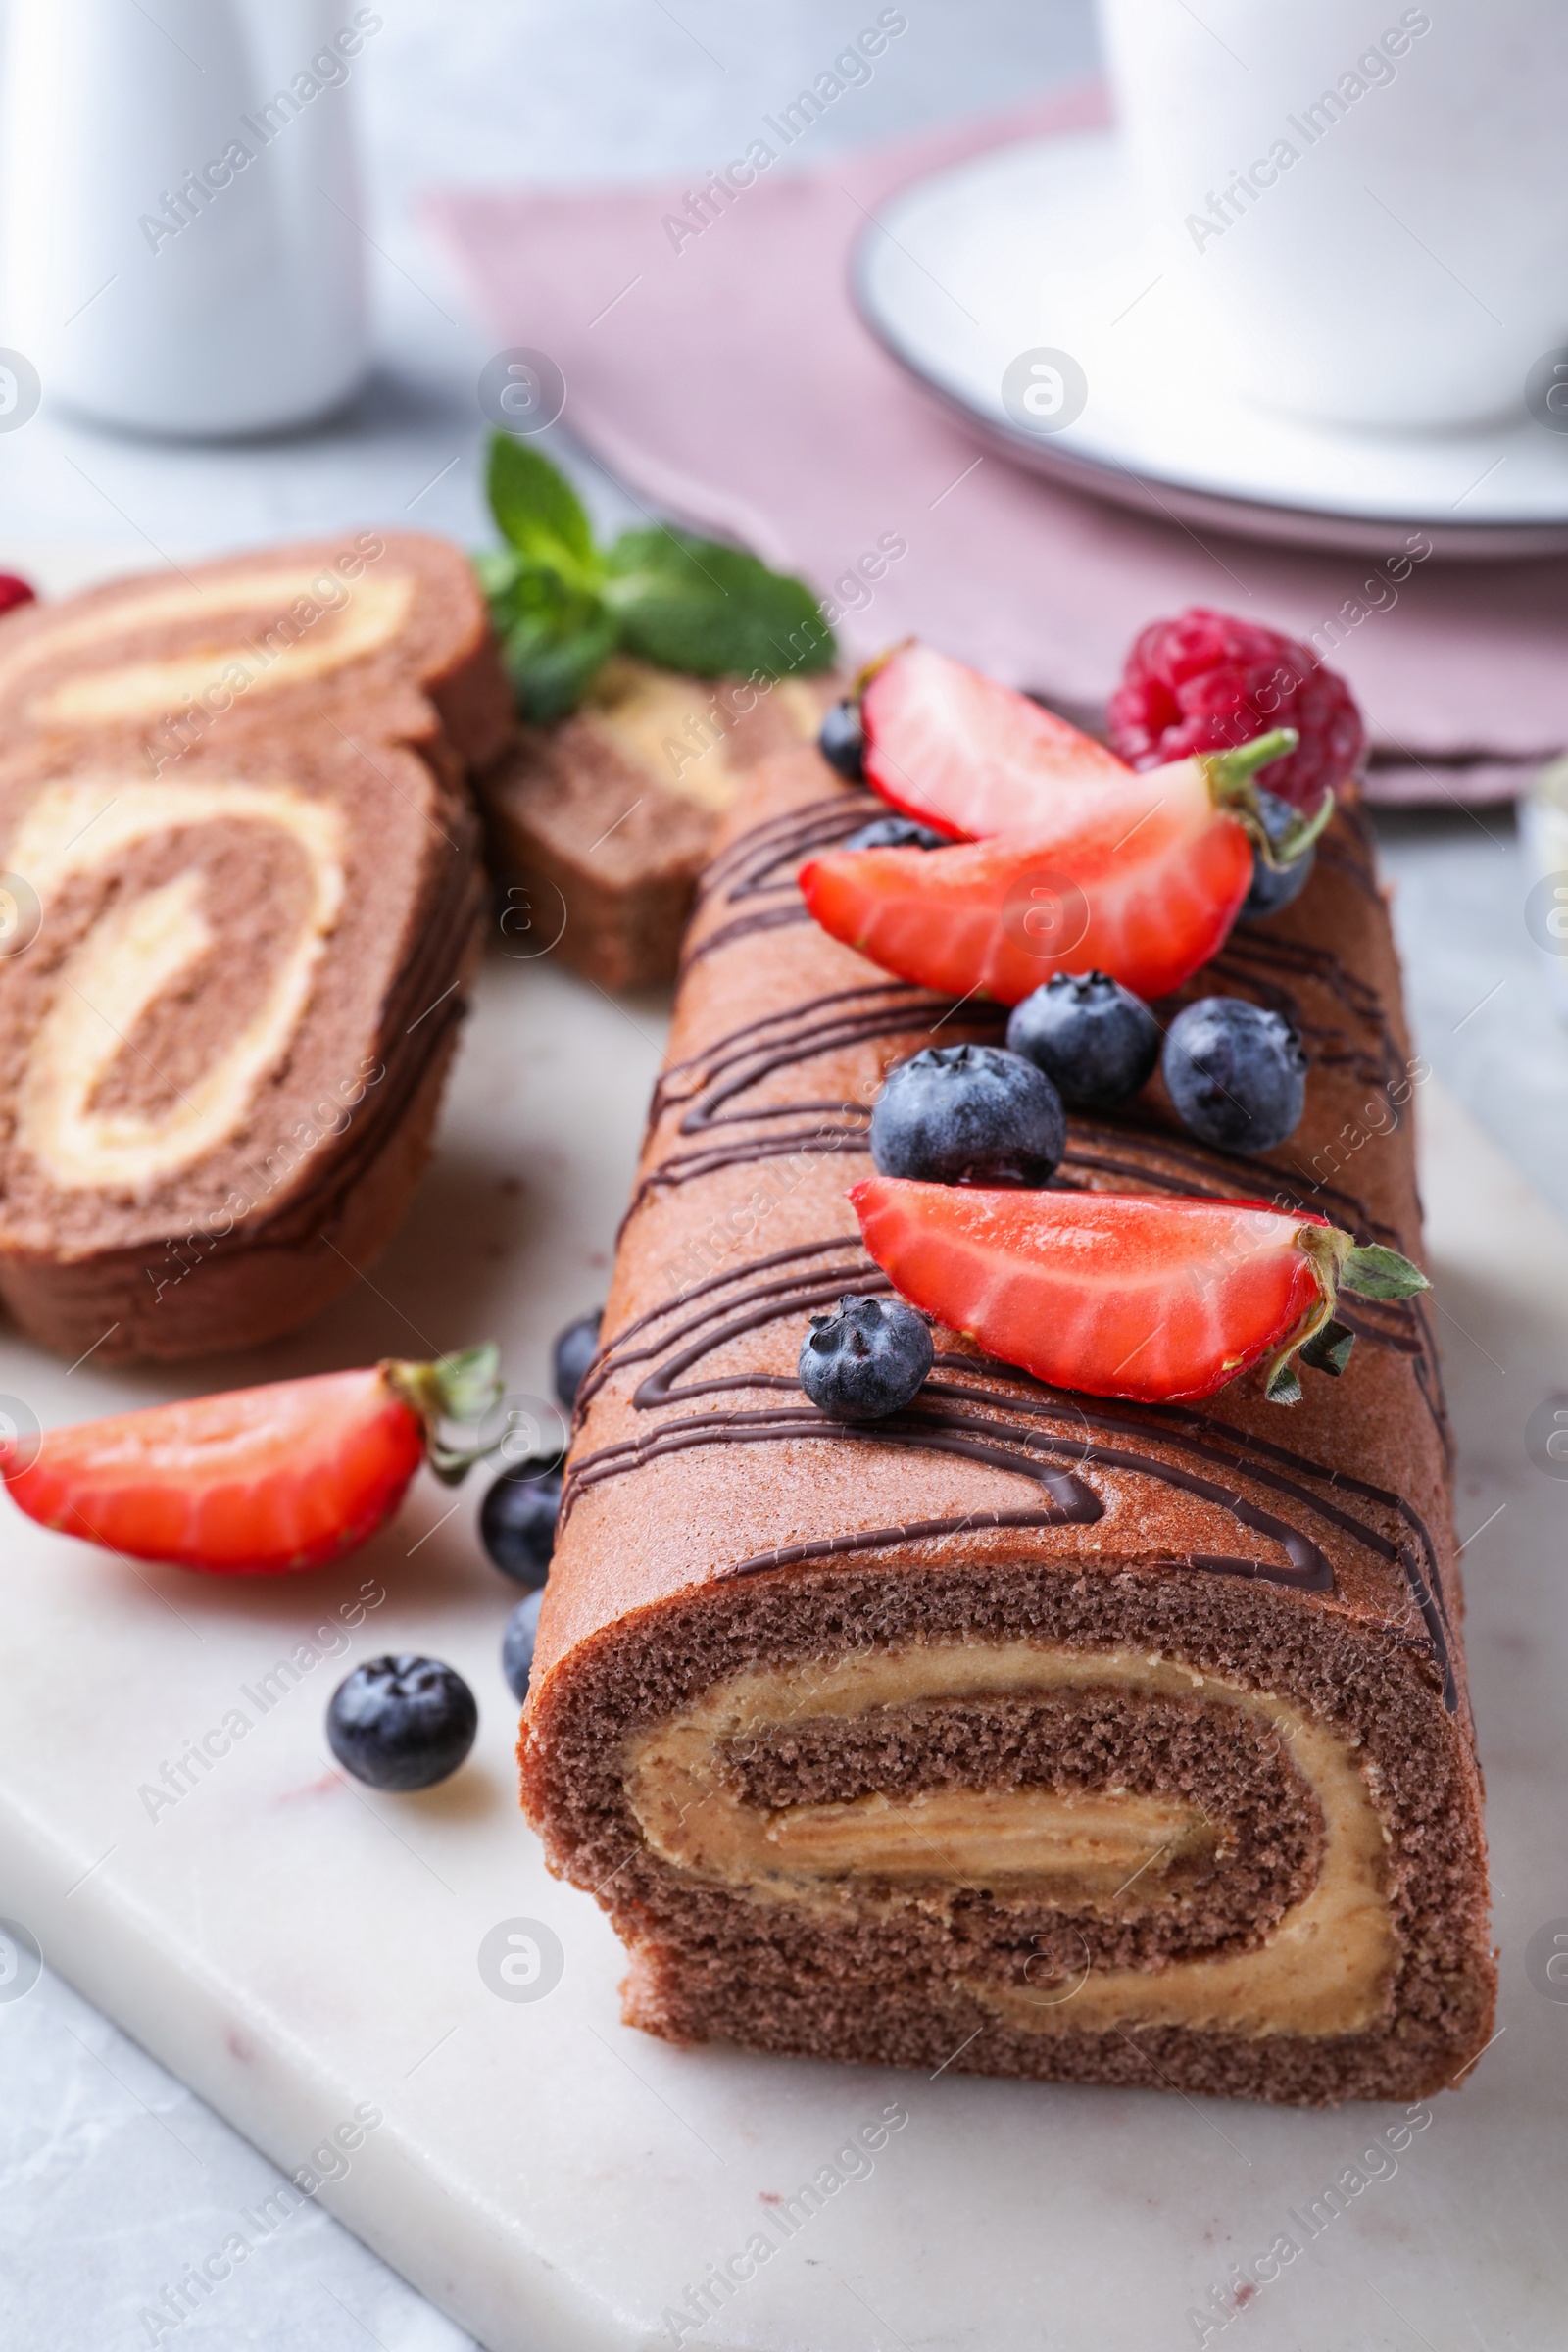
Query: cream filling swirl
[1325, 1969]
[285, 648]
[138, 949]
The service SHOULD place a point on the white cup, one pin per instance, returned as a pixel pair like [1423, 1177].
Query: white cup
[179, 202]
[1364, 204]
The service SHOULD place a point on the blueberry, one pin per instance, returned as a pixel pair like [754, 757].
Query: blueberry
[1094, 1038]
[866, 1360]
[896, 833]
[402, 1723]
[841, 743]
[516, 1644]
[517, 1519]
[968, 1115]
[1236, 1073]
[1275, 886]
[575, 1351]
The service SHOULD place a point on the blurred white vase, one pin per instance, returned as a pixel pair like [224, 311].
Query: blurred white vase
[178, 248]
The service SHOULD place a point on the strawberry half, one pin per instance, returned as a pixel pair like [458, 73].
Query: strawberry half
[255, 1480]
[1140, 877]
[1120, 1294]
[949, 746]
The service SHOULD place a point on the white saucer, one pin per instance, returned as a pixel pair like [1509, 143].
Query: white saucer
[1033, 247]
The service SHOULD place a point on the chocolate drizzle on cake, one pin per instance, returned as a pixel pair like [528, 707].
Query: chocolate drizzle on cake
[712, 1096]
[1143, 1151]
[968, 1419]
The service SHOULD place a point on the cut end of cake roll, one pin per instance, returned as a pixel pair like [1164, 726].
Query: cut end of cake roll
[605, 821]
[1123, 1820]
[175, 661]
[241, 929]
[1019, 1732]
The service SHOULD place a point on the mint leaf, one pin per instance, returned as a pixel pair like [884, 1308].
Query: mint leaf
[539, 511]
[552, 676]
[691, 604]
[553, 639]
[561, 606]
[495, 569]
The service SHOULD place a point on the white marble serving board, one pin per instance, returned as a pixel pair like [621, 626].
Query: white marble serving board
[294, 1947]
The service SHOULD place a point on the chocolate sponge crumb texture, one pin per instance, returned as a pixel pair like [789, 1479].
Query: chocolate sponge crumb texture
[599, 825]
[243, 881]
[1024, 1733]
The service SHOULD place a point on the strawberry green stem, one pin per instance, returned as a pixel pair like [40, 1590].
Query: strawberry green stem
[1372, 1272]
[463, 1388]
[868, 670]
[1233, 783]
[1227, 771]
[1329, 1347]
[1367, 1270]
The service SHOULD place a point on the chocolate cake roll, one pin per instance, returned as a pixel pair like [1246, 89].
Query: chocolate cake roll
[242, 873]
[1023, 1733]
[607, 819]
[381, 628]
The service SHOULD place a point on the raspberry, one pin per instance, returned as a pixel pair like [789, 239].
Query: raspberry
[1208, 682]
[14, 591]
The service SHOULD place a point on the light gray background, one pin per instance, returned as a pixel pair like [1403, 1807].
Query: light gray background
[113, 2175]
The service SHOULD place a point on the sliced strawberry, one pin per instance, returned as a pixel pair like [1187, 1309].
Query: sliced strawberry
[254, 1481]
[949, 745]
[1120, 1294]
[1141, 878]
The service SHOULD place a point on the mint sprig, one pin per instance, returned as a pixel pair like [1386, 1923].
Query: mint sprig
[562, 606]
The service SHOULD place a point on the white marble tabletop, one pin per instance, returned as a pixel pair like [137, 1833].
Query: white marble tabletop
[112, 2173]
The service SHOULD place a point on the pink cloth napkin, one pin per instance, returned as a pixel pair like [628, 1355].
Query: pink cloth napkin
[725, 377]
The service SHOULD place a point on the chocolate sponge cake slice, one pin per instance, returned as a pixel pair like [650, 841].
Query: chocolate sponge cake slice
[1025, 1733]
[386, 627]
[603, 820]
[240, 965]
